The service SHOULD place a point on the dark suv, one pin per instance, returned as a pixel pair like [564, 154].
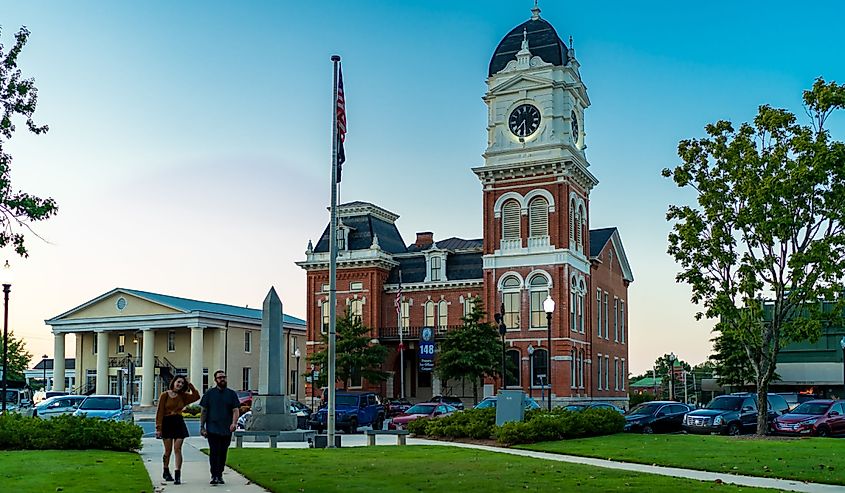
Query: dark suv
[732, 414]
[352, 409]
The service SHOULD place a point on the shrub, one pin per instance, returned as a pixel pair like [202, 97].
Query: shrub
[472, 423]
[67, 433]
[560, 425]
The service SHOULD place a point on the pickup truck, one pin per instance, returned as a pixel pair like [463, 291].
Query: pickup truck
[352, 409]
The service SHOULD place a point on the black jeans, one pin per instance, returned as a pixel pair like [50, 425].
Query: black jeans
[218, 445]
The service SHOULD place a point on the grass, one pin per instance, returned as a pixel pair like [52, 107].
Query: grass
[72, 471]
[439, 468]
[808, 459]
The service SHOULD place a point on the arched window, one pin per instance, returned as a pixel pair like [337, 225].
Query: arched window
[429, 314]
[442, 314]
[539, 368]
[580, 223]
[539, 288]
[510, 220]
[538, 217]
[573, 302]
[405, 312]
[512, 367]
[572, 206]
[324, 308]
[511, 299]
[582, 290]
[356, 308]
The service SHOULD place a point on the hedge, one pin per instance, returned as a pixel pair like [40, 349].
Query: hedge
[538, 425]
[67, 433]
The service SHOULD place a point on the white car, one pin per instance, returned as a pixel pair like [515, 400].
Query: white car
[57, 406]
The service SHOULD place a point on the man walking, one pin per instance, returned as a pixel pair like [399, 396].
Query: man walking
[218, 421]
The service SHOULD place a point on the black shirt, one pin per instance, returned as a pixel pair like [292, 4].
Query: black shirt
[218, 405]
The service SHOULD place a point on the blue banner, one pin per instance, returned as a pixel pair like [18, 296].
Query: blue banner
[426, 351]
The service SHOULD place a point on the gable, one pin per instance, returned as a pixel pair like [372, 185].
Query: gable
[106, 307]
[519, 83]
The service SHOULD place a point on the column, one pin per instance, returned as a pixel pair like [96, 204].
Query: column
[219, 351]
[59, 361]
[195, 373]
[79, 372]
[102, 362]
[149, 368]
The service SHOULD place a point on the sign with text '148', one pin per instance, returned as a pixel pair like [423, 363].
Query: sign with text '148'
[426, 355]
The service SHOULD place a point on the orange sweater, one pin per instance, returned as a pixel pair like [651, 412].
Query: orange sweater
[173, 405]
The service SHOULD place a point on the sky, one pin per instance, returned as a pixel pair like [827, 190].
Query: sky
[189, 143]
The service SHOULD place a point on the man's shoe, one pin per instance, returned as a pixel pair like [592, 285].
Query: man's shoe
[213, 482]
[220, 480]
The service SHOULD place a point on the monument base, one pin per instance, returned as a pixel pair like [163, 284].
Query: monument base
[271, 413]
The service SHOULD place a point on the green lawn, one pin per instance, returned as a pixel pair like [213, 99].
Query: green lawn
[70, 471]
[438, 468]
[808, 459]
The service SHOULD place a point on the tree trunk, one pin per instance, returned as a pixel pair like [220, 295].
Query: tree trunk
[475, 393]
[762, 406]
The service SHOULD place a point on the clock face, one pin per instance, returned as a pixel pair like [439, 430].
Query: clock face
[524, 120]
[574, 127]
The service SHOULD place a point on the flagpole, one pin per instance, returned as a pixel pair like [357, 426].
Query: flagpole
[401, 342]
[330, 424]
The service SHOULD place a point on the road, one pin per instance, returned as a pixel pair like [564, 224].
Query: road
[149, 427]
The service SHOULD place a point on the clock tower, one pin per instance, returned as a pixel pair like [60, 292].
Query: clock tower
[536, 185]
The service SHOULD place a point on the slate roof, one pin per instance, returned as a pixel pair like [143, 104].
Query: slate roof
[452, 243]
[70, 364]
[543, 42]
[361, 234]
[189, 305]
[459, 267]
[598, 239]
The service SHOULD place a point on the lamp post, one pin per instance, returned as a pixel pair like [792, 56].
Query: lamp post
[297, 355]
[672, 358]
[530, 371]
[549, 308]
[842, 343]
[503, 329]
[44, 367]
[7, 286]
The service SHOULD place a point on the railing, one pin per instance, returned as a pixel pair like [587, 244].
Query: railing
[83, 389]
[123, 362]
[514, 244]
[392, 333]
[538, 241]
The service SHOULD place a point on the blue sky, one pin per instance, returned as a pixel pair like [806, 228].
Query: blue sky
[189, 141]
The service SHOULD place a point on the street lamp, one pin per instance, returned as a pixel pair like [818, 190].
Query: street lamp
[530, 371]
[7, 286]
[503, 329]
[672, 359]
[549, 308]
[44, 367]
[297, 355]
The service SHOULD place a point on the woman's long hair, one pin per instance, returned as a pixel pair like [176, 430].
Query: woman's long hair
[184, 388]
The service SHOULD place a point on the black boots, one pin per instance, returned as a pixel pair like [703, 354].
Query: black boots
[178, 479]
[167, 476]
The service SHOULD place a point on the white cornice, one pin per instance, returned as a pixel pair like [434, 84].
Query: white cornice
[201, 319]
[352, 259]
[521, 258]
[426, 286]
[572, 168]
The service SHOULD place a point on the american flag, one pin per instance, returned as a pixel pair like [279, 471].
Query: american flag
[398, 301]
[341, 123]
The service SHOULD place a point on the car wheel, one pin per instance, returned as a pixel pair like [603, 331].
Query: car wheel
[823, 431]
[648, 430]
[734, 429]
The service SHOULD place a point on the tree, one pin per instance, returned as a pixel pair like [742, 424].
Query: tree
[472, 351]
[730, 361]
[19, 358]
[18, 97]
[355, 355]
[764, 244]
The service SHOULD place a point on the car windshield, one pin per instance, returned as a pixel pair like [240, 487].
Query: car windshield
[105, 403]
[421, 409]
[347, 400]
[726, 403]
[645, 409]
[486, 403]
[812, 408]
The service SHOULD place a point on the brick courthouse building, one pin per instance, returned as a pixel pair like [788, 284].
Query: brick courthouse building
[537, 241]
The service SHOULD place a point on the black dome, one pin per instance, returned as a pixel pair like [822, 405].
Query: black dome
[543, 42]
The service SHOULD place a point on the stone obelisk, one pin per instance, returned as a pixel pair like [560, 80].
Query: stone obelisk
[271, 407]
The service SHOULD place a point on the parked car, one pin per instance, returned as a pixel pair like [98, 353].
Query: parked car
[18, 400]
[302, 413]
[111, 407]
[450, 400]
[594, 405]
[656, 417]
[42, 396]
[352, 409]
[822, 417]
[732, 414]
[395, 407]
[489, 402]
[794, 399]
[421, 410]
[57, 406]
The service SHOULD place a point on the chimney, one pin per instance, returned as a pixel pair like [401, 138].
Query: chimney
[424, 239]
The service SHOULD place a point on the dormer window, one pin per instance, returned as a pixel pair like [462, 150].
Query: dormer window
[436, 265]
[341, 238]
[435, 261]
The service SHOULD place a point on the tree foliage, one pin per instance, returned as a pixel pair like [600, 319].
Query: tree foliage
[472, 351]
[19, 357]
[764, 242]
[732, 366]
[18, 98]
[355, 353]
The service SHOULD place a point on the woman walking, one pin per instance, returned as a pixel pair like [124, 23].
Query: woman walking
[170, 426]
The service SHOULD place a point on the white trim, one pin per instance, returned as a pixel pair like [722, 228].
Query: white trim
[497, 206]
[507, 274]
[523, 257]
[540, 192]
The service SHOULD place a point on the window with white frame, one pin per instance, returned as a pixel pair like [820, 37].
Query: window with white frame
[582, 289]
[247, 374]
[356, 286]
[606, 372]
[624, 375]
[599, 379]
[573, 374]
[324, 308]
[405, 313]
[606, 326]
[436, 268]
[579, 223]
[538, 286]
[539, 368]
[429, 314]
[94, 346]
[573, 294]
[511, 220]
[572, 206]
[442, 313]
[468, 305]
[121, 343]
[581, 369]
[341, 238]
[247, 341]
[171, 341]
[356, 308]
[616, 319]
[622, 320]
[615, 373]
[598, 312]
[538, 217]
[511, 295]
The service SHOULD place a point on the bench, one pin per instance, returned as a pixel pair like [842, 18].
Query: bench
[272, 436]
[400, 436]
[297, 436]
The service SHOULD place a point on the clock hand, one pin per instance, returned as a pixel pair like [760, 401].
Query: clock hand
[521, 127]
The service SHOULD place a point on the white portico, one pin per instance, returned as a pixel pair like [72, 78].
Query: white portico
[126, 339]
